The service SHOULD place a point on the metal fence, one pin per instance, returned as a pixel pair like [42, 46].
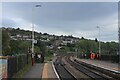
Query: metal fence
[110, 58]
[16, 63]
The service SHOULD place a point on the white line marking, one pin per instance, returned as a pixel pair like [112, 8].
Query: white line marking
[101, 66]
[55, 71]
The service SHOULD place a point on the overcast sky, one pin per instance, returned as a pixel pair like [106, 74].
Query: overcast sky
[64, 18]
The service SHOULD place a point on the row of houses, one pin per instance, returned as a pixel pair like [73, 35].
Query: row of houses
[46, 38]
[21, 37]
[17, 34]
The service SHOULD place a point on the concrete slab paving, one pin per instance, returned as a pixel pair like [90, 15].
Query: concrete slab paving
[35, 71]
[103, 64]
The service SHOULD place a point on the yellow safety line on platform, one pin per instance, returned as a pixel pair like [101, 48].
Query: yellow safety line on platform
[45, 71]
[4, 57]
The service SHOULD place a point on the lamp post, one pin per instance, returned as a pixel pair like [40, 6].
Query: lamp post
[33, 27]
[33, 33]
[99, 41]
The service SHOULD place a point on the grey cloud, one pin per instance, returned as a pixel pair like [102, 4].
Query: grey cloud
[63, 17]
[8, 23]
[61, 11]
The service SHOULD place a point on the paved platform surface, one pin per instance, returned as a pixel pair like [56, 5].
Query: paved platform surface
[103, 64]
[48, 71]
[41, 71]
[35, 71]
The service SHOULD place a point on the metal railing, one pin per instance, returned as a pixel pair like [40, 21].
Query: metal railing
[15, 63]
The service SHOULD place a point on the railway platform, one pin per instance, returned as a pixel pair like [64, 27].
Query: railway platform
[102, 64]
[34, 72]
[49, 72]
[42, 71]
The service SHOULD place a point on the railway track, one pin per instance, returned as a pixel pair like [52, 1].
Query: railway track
[91, 72]
[103, 72]
[63, 73]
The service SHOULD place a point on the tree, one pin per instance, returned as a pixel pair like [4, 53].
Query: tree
[5, 42]
[19, 46]
[82, 38]
[96, 40]
[18, 28]
[86, 46]
[36, 49]
[45, 34]
[41, 45]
